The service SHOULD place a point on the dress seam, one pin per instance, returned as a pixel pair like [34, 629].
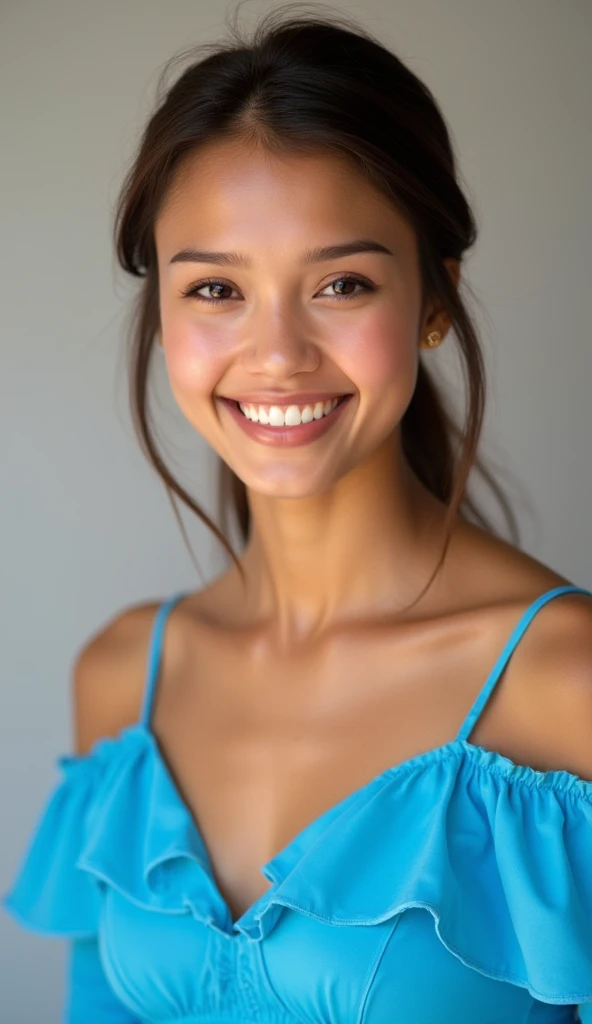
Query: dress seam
[372, 971]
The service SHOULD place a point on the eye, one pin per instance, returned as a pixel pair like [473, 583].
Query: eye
[351, 279]
[194, 289]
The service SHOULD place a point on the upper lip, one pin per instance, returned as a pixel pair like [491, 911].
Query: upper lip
[285, 398]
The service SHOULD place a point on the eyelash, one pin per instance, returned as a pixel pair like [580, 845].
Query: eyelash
[193, 289]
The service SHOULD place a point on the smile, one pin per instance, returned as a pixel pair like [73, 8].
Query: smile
[294, 425]
[291, 416]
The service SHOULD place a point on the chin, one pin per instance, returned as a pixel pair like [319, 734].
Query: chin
[287, 486]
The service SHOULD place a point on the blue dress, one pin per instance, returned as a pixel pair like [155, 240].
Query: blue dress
[453, 888]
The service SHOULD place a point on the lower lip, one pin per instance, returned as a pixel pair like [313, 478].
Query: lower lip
[286, 437]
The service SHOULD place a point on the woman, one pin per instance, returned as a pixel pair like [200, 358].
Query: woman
[352, 778]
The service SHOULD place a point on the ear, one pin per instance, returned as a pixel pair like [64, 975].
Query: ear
[438, 319]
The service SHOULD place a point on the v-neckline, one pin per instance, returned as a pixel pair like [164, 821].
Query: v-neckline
[459, 743]
[320, 820]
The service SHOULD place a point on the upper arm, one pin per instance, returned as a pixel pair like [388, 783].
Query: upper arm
[109, 676]
[559, 685]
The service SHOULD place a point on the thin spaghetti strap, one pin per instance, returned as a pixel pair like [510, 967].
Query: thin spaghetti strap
[155, 654]
[469, 722]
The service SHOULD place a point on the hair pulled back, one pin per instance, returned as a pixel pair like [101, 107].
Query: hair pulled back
[300, 83]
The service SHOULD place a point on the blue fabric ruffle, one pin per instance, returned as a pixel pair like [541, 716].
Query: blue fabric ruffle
[499, 854]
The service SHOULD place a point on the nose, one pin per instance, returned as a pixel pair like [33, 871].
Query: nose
[280, 349]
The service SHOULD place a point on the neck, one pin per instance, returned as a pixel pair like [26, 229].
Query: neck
[361, 550]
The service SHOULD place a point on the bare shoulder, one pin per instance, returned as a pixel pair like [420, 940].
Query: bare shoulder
[109, 675]
[110, 669]
[557, 675]
[552, 664]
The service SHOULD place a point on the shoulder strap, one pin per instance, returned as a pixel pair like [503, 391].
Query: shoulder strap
[469, 722]
[155, 654]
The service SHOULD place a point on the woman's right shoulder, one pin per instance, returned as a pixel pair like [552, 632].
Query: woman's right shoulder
[109, 675]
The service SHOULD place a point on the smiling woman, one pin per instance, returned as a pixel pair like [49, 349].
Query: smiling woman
[265, 823]
[341, 318]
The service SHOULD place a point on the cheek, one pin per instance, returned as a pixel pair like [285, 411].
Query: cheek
[195, 363]
[382, 355]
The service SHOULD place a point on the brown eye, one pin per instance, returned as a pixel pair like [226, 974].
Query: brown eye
[194, 289]
[349, 279]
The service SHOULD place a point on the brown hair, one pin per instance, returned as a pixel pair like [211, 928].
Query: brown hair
[316, 83]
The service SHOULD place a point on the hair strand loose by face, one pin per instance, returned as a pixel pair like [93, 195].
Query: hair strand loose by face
[309, 82]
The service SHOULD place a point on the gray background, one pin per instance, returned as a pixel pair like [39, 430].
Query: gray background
[86, 525]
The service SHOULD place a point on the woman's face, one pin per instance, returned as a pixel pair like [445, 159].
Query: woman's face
[278, 322]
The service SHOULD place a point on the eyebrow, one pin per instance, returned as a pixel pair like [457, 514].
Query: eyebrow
[317, 255]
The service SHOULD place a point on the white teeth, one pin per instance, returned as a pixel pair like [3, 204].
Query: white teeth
[276, 416]
[292, 416]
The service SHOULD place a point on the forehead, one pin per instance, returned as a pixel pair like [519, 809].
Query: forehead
[232, 187]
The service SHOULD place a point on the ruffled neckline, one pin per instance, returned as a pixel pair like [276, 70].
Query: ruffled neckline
[498, 853]
[176, 871]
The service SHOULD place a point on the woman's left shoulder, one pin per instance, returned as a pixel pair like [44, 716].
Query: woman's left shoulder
[551, 668]
[556, 678]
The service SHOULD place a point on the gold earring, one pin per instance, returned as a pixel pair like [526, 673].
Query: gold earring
[433, 339]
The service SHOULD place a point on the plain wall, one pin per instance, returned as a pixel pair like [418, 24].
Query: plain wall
[86, 525]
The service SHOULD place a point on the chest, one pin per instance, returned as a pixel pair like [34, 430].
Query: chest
[260, 746]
